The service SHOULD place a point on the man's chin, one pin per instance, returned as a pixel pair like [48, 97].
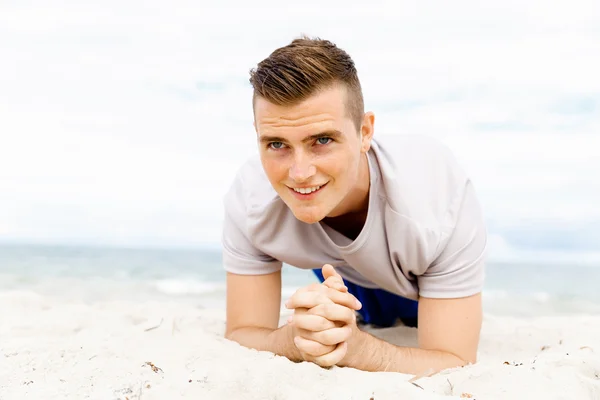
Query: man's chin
[308, 217]
[308, 220]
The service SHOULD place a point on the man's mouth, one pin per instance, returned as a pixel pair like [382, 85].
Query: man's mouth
[308, 190]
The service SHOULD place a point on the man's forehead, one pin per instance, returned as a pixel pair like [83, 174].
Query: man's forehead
[295, 130]
[331, 100]
[275, 121]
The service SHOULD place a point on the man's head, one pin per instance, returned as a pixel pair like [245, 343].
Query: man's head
[312, 129]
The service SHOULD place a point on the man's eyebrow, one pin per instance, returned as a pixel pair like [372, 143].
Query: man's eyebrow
[332, 133]
[271, 139]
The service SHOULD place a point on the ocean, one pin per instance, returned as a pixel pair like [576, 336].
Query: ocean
[89, 274]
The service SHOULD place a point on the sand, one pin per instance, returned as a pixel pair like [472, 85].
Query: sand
[52, 348]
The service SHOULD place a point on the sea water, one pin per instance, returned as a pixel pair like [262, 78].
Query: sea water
[196, 275]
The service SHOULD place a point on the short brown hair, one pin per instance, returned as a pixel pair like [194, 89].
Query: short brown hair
[295, 72]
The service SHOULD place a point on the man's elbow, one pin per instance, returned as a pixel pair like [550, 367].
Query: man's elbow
[239, 333]
[470, 356]
[231, 332]
[464, 360]
[456, 359]
[471, 360]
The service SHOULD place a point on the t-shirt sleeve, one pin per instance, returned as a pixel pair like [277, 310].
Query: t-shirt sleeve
[459, 269]
[240, 255]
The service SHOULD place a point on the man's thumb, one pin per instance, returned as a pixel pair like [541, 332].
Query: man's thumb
[329, 271]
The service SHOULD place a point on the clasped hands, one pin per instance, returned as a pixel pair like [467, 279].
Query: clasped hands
[324, 319]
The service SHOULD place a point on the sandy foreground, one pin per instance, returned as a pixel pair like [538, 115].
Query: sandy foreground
[59, 349]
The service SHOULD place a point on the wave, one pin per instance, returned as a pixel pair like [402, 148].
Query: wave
[539, 296]
[187, 286]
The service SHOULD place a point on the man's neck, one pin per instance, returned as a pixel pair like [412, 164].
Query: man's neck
[351, 223]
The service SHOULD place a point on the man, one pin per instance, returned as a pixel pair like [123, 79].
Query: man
[392, 228]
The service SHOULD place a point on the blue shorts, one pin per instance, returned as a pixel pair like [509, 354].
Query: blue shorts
[380, 307]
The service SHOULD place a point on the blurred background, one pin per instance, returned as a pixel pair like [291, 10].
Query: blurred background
[122, 124]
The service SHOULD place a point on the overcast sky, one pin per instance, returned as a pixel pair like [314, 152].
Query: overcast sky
[123, 122]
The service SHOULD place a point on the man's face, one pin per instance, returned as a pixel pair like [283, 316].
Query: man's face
[313, 154]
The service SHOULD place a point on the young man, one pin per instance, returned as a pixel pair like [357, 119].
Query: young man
[392, 228]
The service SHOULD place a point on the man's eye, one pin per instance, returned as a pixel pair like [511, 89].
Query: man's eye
[276, 145]
[323, 140]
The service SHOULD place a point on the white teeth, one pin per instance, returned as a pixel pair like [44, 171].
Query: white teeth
[307, 190]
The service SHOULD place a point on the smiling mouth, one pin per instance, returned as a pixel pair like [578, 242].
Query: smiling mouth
[308, 190]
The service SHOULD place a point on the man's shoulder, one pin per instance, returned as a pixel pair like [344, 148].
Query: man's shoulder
[423, 180]
[408, 151]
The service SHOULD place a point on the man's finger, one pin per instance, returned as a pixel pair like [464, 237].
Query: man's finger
[329, 337]
[334, 282]
[332, 358]
[312, 299]
[329, 271]
[334, 312]
[313, 287]
[312, 348]
[312, 322]
[343, 298]
[307, 299]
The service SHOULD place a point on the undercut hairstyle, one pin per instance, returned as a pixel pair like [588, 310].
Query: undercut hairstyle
[304, 67]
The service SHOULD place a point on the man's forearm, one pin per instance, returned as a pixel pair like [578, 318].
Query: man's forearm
[279, 341]
[373, 354]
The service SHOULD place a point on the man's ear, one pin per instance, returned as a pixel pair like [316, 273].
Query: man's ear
[367, 130]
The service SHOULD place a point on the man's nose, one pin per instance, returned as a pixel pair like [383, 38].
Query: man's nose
[302, 169]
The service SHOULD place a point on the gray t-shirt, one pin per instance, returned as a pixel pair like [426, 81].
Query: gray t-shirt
[424, 233]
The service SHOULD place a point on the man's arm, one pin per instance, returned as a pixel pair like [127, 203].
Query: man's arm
[253, 305]
[448, 337]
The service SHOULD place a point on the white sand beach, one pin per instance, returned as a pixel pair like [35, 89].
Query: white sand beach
[56, 348]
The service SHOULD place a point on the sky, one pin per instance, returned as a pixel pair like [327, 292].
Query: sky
[124, 122]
